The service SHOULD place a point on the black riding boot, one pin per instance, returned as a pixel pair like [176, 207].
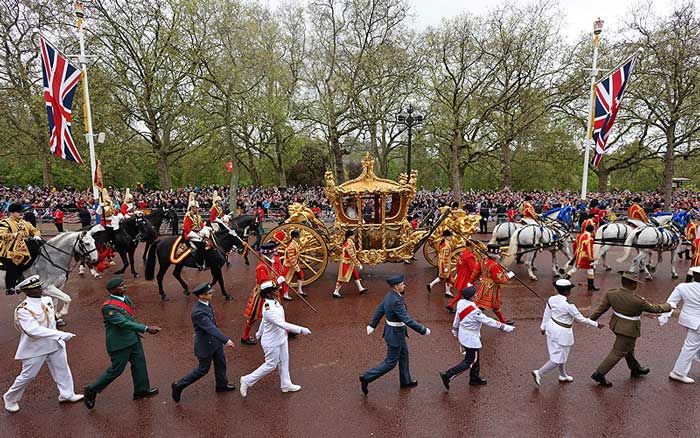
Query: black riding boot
[688, 278]
[11, 275]
[199, 256]
[591, 286]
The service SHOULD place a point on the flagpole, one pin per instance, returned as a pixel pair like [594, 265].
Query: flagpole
[86, 97]
[597, 29]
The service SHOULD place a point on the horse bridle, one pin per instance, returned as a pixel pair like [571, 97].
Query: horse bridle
[84, 252]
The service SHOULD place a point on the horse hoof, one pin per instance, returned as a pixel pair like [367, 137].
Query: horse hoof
[136, 275]
[81, 273]
[533, 278]
[186, 292]
[60, 322]
[98, 276]
[228, 297]
[164, 297]
[674, 276]
[534, 269]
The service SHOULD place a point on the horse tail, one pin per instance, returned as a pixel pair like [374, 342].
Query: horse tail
[151, 261]
[494, 234]
[628, 246]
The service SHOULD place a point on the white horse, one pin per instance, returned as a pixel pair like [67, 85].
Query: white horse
[650, 238]
[535, 238]
[53, 263]
[503, 232]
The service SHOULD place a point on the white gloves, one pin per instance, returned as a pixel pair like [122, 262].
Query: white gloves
[360, 267]
[427, 331]
[67, 336]
[507, 328]
[281, 280]
[510, 274]
[370, 329]
[663, 318]
[454, 333]
[36, 237]
[305, 331]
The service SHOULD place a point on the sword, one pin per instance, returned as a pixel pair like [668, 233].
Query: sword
[269, 266]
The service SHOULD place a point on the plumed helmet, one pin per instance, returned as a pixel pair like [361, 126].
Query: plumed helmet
[192, 202]
[215, 197]
[128, 197]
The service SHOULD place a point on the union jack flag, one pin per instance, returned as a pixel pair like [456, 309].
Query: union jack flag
[60, 78]
[608, 96]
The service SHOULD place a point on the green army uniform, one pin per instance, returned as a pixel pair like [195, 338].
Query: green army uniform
[123, 346]
[625, 323]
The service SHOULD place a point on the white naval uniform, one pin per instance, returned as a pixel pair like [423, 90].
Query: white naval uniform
[40, 342]
[559, 338]
[273, 339]
[690, 319]
[468, 329]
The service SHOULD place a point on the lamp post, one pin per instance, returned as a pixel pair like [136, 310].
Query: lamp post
[597, 29]
[409, 119]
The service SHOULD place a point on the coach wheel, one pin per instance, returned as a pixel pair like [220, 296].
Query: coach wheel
[313, 257]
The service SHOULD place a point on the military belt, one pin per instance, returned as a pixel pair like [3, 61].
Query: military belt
[395, 324]
[559, 323]
[630, 318]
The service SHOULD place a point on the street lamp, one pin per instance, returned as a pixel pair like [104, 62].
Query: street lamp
[409, 119]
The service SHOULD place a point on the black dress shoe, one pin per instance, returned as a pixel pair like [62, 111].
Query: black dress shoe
[427, 286]
[450, 309]
[510, 322]
[445, 380]
[177, 391]
[227, 388]
[338, 296]
[410, 384]
[640, 372]
[90, 395]
[249, 341]
[228, 297]
[476, 381]
[150, 392]
[602, 381]
[363, 385]
[364, 291]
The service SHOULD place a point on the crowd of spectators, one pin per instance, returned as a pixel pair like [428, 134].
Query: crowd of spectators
[45, 201]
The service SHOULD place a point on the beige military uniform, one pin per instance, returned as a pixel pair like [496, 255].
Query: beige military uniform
[625, 323]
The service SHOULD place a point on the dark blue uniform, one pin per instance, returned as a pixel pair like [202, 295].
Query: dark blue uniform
[394, 310]
[208, 346]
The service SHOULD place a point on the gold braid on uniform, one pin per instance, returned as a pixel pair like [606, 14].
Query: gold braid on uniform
[18, 326]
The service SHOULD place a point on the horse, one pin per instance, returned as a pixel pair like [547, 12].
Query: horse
[649, 238]
[125, 240]
[244, 225]
[223, 241]
[53, 263]
[554, 235]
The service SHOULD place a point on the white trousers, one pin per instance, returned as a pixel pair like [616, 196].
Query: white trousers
[60, 371]
[689, 351]
[275, 357]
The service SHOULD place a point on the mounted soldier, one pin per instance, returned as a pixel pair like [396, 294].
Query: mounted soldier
[636, 212]
[529, 215]
[15, 253]
[217, 211]
[194, 231]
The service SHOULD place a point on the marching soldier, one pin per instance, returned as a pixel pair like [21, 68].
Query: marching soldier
[393, 309]
[691, 231]
[689, 318]
[584, 257]
[216, 210]
[636, 211]
[123, 344]
[14, 253]
[209, 345]
[192, 224]
[529, 215]
[263, 273]
[466, 327]
[39, 342]
[493, 277]
[273, 334]
[445, 273]
[291, 266]
[557, 322]
[348, 266]
[625, 323]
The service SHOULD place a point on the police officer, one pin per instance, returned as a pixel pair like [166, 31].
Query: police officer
[209, 345]
[397, 318]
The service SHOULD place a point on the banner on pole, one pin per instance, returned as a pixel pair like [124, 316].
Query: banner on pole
[608, 97]
[60, 78]
[229, 166]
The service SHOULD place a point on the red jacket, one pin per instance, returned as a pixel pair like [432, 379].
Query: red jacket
[58, 216]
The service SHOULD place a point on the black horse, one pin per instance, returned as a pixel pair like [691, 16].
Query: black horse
[156, 218]
[245, 226]
[125, 240]
[224, 240]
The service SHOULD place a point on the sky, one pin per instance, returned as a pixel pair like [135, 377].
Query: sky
[579, 14]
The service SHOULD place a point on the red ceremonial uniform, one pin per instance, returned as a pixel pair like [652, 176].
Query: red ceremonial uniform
[586, 223]
[529, 211]
[511, 214]
[215, 213]
[291, 262]
[259, 215]
[348, 263]
[695, 261]
[465, 267]
[691, 232]
[637, 212]
[598, 215]
[191, 222]
[445, 261]
[124, 209]
[488, 295]
[583, 249]
[58, 217]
